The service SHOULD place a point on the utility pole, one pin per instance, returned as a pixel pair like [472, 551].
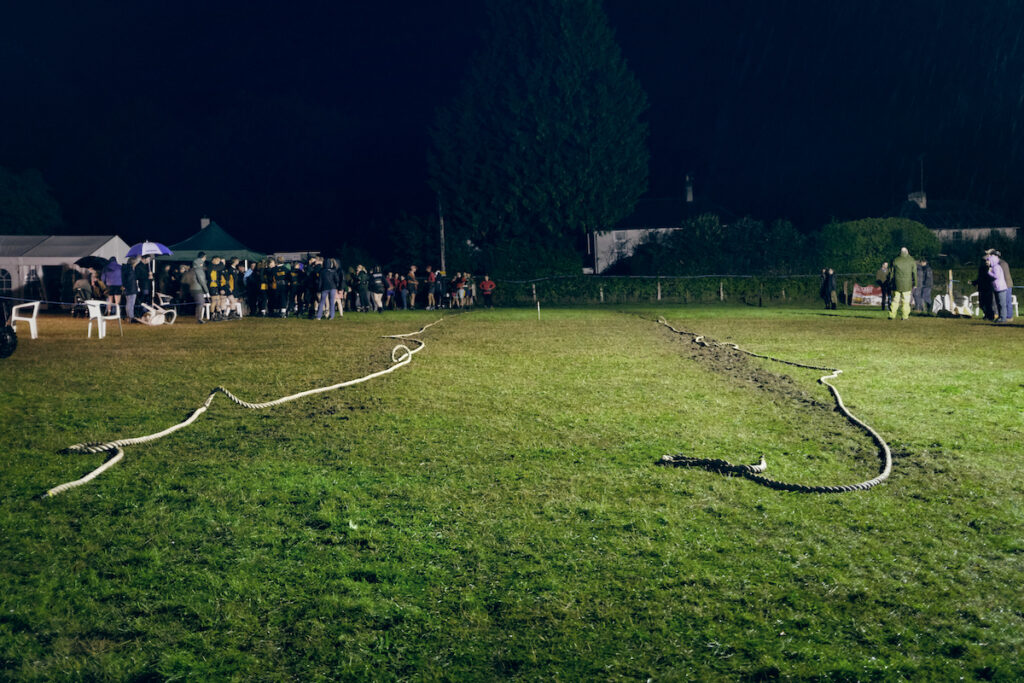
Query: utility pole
[440, 217]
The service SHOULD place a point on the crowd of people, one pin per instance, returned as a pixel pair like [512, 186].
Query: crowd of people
[907, 286]
[223, 288]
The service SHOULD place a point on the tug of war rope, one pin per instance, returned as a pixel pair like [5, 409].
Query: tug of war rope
[754, 472]
[401, 355]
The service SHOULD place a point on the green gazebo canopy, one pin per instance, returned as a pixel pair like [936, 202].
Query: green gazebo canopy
[215, 241]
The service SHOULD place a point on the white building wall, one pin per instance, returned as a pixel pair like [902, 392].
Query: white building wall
[612, 245]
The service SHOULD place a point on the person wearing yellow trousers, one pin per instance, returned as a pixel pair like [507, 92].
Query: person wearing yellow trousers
[903, 276]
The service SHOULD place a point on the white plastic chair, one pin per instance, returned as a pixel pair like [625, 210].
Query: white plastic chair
[150, 316]
[30, 318]
[158, 315]
[96, 313]
[975, 302]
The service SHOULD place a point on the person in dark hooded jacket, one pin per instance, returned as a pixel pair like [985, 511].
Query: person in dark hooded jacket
[328, 289]
[131, 287]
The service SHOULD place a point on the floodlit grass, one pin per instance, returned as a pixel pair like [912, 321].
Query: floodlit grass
[494, 510]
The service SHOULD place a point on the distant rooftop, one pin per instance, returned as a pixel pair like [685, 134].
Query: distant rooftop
[670, 212]
[946, 214]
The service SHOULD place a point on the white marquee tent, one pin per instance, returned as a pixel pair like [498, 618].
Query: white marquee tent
[31, 266]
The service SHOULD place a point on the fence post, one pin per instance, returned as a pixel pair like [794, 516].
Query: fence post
[600, 291]
[534, 291]
[659, 290]
[783, 295]
[721, 291]
[846, 297]
[760, 295]
[949, 287]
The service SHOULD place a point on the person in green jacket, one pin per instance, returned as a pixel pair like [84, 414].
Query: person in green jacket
[904, 279]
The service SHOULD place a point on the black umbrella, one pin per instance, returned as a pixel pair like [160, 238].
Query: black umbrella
[97, 262]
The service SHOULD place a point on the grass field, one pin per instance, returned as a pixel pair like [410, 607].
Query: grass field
[494, 510]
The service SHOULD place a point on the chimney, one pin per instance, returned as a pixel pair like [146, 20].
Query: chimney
[689, 189]
[919, 198]
[204, 222]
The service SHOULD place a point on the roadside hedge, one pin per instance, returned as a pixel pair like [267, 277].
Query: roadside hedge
[754, 290]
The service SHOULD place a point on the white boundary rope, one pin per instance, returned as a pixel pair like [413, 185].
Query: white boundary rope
[753, 472]
[401, 355]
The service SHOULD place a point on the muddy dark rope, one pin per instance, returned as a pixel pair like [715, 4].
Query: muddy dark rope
[753, 472]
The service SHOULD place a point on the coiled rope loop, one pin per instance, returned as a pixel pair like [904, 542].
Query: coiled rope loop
[753, 472]
[401, 355]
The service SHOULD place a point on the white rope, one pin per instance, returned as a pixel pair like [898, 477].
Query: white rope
[753, 472]
[401, 355]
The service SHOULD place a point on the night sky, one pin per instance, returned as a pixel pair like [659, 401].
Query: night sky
[305, 125]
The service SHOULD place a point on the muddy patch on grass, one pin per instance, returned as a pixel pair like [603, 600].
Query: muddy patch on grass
[746, 371]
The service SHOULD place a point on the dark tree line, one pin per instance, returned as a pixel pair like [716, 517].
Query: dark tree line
[704, 245]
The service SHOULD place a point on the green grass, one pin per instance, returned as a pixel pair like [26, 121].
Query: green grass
[494, 510]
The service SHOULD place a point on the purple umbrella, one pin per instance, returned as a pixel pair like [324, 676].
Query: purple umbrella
[149, 249]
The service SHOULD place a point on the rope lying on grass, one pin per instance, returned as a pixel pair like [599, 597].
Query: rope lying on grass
[401, 355]
[753, 472]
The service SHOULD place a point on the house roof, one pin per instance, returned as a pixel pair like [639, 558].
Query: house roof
[948, 214]
[670, 212]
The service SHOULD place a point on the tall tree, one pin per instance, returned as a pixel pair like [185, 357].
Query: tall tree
[26, 205]
[544, 142]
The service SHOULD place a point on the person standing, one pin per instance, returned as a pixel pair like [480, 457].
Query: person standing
[412, 286]
[377, 287]
[1008, 292]
[389, 293]
[986, 295]
[998, 286]
[824, 289]
[363, 287]
[487, 287]
[195, 279]
[401, 292]
[215, 284]
[915, 304]
[925, 279]
[431, 281]
[904, 279]
[111, 277]
[144, 279]
[830, 284]
[164, 281]
[328, 289]
[882, 280]
[130, 286]
[279, 289]
[314, 267]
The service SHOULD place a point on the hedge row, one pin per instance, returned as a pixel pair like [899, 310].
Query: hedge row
[588, 289]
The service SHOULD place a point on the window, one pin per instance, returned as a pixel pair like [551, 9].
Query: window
[5, 283]
[958, 234]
